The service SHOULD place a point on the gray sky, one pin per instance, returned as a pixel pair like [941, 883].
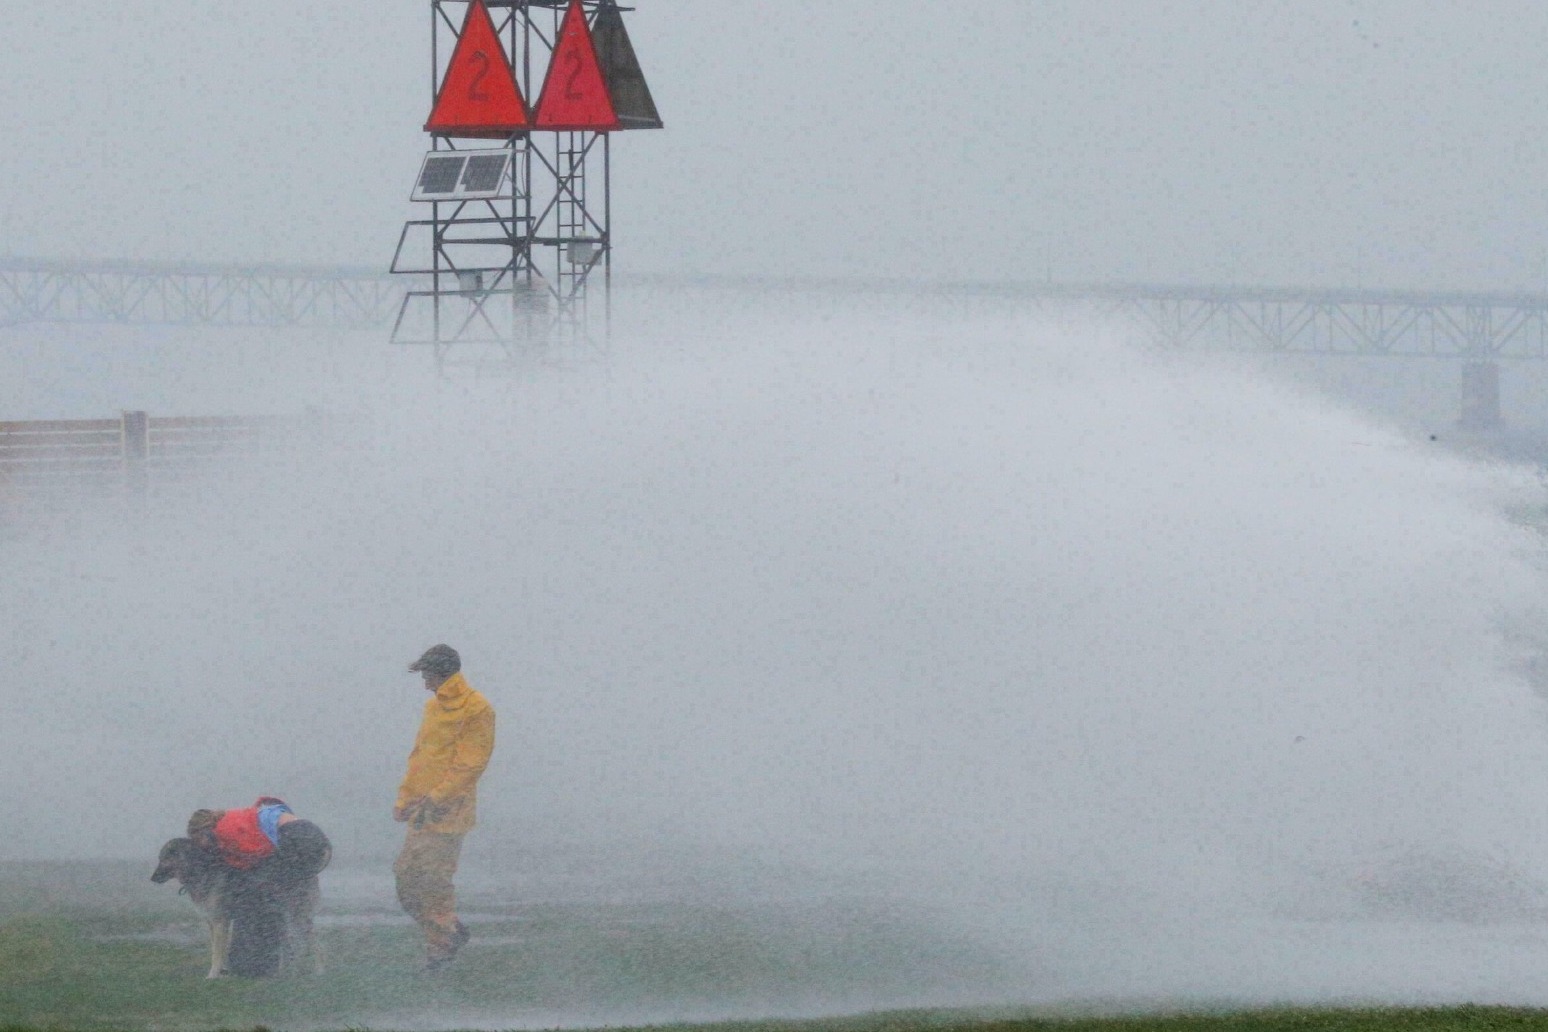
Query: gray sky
[1335, 141]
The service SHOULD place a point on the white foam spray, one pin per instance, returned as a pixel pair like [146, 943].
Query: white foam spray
[1129, 665]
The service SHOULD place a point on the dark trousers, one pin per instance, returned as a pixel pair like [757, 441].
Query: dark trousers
[272, 905]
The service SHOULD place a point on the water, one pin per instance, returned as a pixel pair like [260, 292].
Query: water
[1164, 680]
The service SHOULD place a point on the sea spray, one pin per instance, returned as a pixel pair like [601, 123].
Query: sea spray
[1103, 652]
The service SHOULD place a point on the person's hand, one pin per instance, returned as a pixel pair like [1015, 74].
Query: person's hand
[408, 811]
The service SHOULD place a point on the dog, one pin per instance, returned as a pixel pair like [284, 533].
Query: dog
[205, 880]
[261, 922]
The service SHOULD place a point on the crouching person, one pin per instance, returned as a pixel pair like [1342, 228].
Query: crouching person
[278, 857]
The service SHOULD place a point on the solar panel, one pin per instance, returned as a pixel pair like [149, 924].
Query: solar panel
[464, 176]
[485, 171]
[440, 175]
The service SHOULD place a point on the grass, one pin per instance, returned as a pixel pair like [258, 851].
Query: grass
[92, 950]
[1440, 1019]
[96, 950]
[54, 974]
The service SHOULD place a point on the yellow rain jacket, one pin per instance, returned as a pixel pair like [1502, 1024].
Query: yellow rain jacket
[451, 750]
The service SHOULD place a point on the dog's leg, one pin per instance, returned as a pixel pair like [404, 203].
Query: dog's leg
[284, 900]
[300, 909]
[312, 895]
[313, 952]
[220, 944]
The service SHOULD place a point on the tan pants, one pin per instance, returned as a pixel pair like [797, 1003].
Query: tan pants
[424, 870]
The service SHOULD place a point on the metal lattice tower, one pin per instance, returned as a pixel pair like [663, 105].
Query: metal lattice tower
[507, 272]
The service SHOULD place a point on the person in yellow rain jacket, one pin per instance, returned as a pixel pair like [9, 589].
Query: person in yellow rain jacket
[438, 800]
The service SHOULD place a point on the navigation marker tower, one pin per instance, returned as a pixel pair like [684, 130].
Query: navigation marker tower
[519, 198]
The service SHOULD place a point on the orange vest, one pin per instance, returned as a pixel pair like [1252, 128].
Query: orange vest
[242, 842]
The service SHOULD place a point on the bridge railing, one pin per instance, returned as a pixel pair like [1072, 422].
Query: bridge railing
[51, 455]
[48, 462]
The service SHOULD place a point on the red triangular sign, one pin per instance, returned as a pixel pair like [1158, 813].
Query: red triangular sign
[575, 96]
[478, 96]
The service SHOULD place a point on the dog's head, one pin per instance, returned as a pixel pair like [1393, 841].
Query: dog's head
[178, 859]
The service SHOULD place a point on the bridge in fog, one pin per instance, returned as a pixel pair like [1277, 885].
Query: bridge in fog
[1479, 329]
[1475, 326]
[149, 294]
[1403, 324]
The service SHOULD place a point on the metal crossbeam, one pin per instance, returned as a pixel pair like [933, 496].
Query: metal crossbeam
[187, 295]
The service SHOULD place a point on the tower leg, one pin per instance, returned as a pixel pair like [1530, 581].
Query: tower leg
[1480, 396]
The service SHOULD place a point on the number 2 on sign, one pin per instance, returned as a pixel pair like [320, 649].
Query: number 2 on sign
[571, 91]
[475, 91]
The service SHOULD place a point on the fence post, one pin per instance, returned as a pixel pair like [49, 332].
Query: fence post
[136, 435]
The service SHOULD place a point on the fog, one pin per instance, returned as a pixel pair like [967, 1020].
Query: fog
[1114, 660]
[1154, 679]
[1334, 142]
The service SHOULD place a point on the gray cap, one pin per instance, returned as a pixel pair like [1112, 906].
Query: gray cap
[438, 659]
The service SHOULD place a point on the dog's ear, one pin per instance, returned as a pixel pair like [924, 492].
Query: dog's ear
[172, 862]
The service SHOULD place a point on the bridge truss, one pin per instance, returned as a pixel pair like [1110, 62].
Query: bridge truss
[176, 295]
[1411, 324]
[1399, 324]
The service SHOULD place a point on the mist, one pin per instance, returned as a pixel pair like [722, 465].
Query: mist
[1334, 143]
[1134, 669]
[1069, 673]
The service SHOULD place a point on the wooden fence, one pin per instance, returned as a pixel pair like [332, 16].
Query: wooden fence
[133, 454]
